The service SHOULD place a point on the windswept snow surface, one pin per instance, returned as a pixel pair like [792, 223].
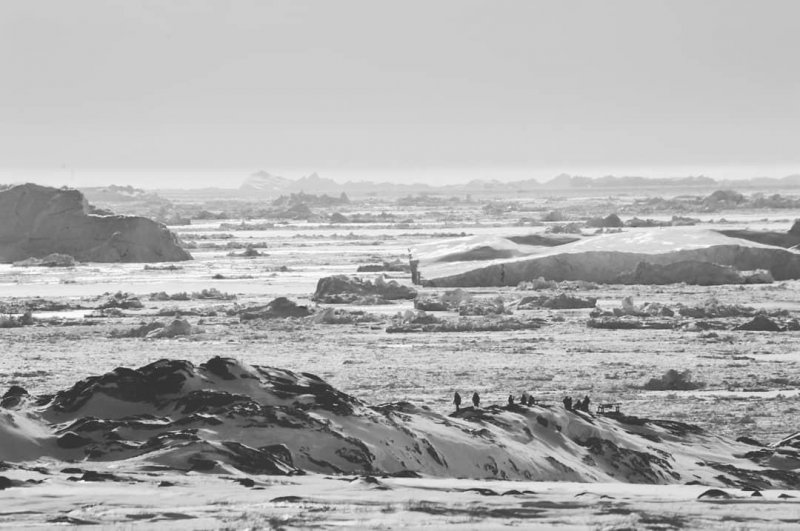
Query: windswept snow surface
[602, 258]
[261, 419]
[140, 499]
[172, 467]
[178, 445]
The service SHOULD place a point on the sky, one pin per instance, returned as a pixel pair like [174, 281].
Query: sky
[201, 92]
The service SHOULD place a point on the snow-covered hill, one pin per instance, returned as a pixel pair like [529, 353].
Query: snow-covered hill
[606, 258]
[264, 420]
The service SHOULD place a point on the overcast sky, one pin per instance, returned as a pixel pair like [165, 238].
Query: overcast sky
[355, 88]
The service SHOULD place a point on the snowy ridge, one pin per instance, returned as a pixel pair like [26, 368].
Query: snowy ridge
[223, 415]
[603, 258]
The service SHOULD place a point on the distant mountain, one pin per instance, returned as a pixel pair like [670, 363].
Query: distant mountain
[315, 184]
[264, 183]
[120, 194]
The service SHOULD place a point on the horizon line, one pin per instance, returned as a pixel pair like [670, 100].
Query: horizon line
[197, 178]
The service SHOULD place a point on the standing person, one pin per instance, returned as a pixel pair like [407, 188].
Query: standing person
[476, 400]
[414, 265]
[586, 402]
[510, 400]
[568, 403]
[457, 400]
[524, 399]
[416, 278]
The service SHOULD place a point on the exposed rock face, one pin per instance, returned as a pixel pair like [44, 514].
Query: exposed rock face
[279, 308]
[342, 289]
[780, 239]
[36, 221]
[610, 221]
[691, 272]
[178, 327]
[264, 420]
[562, 301]
[760, 323]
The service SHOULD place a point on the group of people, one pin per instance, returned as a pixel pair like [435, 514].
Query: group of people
[525, 400]
[578, 404]
[476, 400]
[528, 400]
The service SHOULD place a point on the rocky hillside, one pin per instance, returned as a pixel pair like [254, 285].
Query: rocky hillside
[36, 221]
[257, 419]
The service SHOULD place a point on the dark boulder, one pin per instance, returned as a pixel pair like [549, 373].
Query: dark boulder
[760, 323]
[342, 289]
[714, 493]
[13, 397]
[279, 308]
[610, 221]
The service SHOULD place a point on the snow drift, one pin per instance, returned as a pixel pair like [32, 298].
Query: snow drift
[36, 221]
[223, 414]
[480, 248]
[609, 258]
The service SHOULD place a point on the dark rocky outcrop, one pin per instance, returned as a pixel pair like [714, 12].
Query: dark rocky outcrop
[121, 300]
[36, 221]
[178, 327]
[562, 301]
[610, 221]
[279, 308]
[788, 239]
[342, 289]
[394, 266]
[760, 323]
[13, 397]
[691, 272]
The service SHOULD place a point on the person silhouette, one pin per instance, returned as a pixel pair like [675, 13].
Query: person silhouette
[510, 400]
[457, 400]
[585, 404]
[568, 403]
[476, 399]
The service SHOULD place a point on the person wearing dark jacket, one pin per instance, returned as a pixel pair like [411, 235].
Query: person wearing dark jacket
[457, 400]
[476, 399]
[568, 403]
[585, 403]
